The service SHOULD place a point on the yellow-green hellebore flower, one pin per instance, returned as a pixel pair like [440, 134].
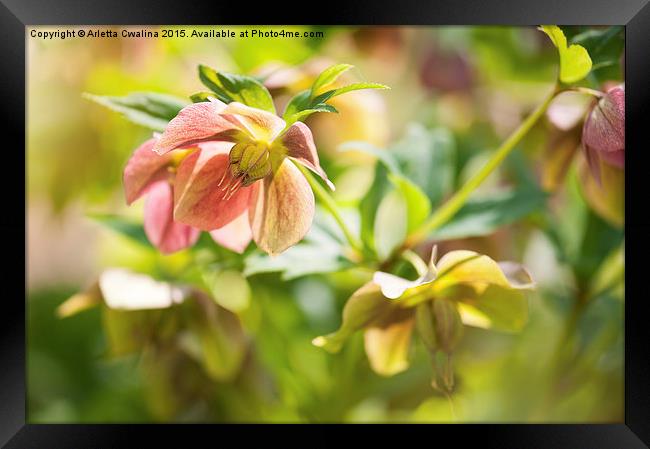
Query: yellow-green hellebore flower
[463, 288]
[140, 313]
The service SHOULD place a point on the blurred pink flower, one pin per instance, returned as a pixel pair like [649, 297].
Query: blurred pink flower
[603, 133]
[216, 185]
[152, 175]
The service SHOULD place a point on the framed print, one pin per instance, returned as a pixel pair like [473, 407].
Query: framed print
[410, 215]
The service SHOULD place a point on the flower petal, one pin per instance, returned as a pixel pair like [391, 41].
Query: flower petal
[162, 231]
[468, 267]
[199, 199]
[143, 169]
[392, 287]
[236, 235]
[261, 125]
[498, 308]
[299, 144]
[282, 210]
[387, 347]
[195, 123]
[365, 307]
[517, 275]
[604, 130]
[124, 290]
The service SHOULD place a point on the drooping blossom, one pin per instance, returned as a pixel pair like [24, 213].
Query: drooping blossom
[216, 185]
[603, 133]
[152, 175]
[128, 300]
[462, 288]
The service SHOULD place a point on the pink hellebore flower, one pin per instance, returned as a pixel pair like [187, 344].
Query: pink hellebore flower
[603, 134]
[150, 174]
[217, 184]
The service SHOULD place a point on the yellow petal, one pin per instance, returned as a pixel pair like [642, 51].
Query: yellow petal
[365, 307]
[387, 347]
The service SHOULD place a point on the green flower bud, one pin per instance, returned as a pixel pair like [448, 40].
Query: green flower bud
[447, 323]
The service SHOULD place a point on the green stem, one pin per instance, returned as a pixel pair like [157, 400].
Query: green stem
[331, 206]
[453, 205]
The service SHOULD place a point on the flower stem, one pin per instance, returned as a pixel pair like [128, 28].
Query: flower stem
[453, 205]
[329, 204]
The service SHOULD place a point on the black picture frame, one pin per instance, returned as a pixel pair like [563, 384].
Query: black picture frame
[15, 15]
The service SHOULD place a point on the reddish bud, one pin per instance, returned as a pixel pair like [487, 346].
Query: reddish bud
[603, 134]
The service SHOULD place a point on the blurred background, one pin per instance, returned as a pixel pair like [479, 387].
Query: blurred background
[456, 93]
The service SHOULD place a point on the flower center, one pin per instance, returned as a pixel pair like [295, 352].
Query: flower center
[248, 162]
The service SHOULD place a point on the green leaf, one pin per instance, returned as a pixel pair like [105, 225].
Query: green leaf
[121, 225]
[605, 47]
[329, 76]
[428, 158]
[201, 97]
[210, 79]
[391, 223]
[318, 253]
[610, 275]
[575, 62]
[247, 90]
[418, 206]
[357, 86]
[369, 205]
[388, 215]
[298, 261]
[482, 216]
[230, 87]
[302, 105]
[229, 289]
[307, 112]
[305, 103]
[149, 109]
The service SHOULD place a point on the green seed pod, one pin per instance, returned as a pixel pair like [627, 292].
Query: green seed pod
[443, 373]
[236, 152]
[252, 155]
[258, 171]
[425, 326]
[448, 325]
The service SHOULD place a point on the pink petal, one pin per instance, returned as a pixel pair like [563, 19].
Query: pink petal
[143, 169]
[195, 123]
[615, 158]
[261, 125]
[236, 235]
[604, 128]
[199, 199]
[282, 209]
[162, 231]
[299, 144]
